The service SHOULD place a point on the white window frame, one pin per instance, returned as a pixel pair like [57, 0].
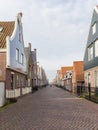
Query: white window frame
[22, 58]
[96, 48]
[89, 78]
[17, 54]
[96, 78]
[90, 52]
[94, 28]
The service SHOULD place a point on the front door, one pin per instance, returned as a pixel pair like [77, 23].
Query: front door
[12, 80]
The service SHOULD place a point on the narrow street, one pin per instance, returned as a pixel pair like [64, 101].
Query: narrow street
[50, 108]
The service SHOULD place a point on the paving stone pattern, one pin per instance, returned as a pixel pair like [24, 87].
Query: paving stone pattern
[50, 108]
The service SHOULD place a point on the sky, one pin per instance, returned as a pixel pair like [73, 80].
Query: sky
[58, 29]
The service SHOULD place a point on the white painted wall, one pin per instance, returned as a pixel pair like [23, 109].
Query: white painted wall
[2, 94]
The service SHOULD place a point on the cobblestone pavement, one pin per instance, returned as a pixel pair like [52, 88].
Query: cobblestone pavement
[50, 108]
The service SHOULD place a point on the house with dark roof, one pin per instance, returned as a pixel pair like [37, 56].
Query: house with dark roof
[91, 53]
[29, 65]
[13, 72]
[35, 74]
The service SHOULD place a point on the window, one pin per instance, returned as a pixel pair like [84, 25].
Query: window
[96, 48]
[96, 77]
[17, 80]
[90, 53]
[94, 28]
[17, 54]
[22, 58]
[19, 36]
[19, 32]
[89, 78]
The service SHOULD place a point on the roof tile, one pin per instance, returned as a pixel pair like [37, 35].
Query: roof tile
[7, 30]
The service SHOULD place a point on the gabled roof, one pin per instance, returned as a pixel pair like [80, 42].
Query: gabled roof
[96, 9]
[7, 30]
[92, 37]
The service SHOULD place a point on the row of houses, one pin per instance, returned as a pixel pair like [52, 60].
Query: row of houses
[83, 73]
[68, 77]
[19, 69]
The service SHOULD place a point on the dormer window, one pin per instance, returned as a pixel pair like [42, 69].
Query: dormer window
[94, 28]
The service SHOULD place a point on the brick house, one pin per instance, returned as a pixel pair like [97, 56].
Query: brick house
[77, 75]
[12, 58]
[74, 76]
[68, 80]
[91, 53]
[64, 71]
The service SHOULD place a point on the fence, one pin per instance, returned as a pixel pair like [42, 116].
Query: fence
[2, 93]
[88, 92]
[12, 93]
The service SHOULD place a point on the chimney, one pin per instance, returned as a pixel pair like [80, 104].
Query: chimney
[35, 49]
[29, 45]
[19, 16]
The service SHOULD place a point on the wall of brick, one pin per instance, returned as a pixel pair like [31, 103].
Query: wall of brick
[3, 66]
[78, 71]
[91, 72]
[8, 79]
[65, 69]
[19, 79]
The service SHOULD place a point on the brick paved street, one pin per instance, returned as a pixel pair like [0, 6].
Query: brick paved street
[50, 108]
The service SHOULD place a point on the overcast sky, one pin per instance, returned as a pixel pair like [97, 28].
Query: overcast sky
[58, 29]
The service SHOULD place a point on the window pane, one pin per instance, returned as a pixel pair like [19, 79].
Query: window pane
[90, 53]
[96, 79]
[17, 55]
[96, 48]
[22, 58]
[94, 29]
[89, 78]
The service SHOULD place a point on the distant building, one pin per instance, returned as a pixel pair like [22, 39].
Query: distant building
[29, 67]
[64, 70]
[44, 80]
[34, 62]
[68, 80]
[70, 77]
[77, 75]
[58, 78]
